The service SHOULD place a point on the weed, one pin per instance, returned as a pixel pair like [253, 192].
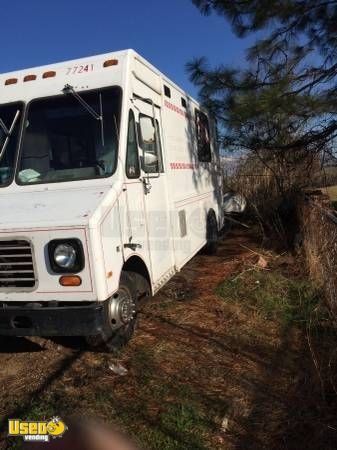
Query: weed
[334, 204]
[273, 295]
[179, 427]
[186, 422]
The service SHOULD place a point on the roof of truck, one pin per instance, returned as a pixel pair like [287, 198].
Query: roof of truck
[18, 77]
[91, 58]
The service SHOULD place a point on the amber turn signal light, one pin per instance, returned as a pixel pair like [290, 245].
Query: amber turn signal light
[70, 280]
[49, 74]
[11, 81]
[29, 78]
[110, 62]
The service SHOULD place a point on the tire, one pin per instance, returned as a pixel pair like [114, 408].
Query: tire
[114, 335]
[142, 286]
[211, 234]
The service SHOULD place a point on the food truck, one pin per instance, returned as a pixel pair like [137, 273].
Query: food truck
[109, 185]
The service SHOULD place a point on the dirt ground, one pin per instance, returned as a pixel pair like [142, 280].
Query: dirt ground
[201, 373]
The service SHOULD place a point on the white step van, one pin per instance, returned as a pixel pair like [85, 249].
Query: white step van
[109, 185]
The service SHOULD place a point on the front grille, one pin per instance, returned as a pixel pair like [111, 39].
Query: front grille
[16, 265]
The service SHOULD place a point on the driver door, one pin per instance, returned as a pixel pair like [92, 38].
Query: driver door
[155, 193]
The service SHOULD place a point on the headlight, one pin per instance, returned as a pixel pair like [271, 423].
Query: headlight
[66, 255]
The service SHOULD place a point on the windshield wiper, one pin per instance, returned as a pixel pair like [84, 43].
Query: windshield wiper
[68, 89]
[3, 126]
[8, 132]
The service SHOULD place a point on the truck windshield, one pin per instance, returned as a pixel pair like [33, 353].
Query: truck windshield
[9, 133]
[63, 142]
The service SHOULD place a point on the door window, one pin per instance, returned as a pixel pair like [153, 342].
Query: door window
[132, 160]
[149, 141]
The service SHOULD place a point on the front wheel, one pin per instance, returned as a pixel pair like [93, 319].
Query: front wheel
[120, 316]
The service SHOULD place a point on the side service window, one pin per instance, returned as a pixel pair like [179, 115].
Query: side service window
[132, 160]
[203, 137]
[149, 141]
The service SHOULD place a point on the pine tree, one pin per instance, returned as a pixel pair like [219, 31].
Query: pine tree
[285, 98]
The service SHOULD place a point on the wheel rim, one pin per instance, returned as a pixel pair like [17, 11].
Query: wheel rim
[122, 309]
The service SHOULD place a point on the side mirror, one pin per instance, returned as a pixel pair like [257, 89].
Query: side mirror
[150, 159]
[149, 162]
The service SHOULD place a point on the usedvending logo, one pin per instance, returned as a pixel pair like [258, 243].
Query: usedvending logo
[37, 431]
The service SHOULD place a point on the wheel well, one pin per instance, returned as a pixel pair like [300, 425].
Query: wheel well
[136, 264]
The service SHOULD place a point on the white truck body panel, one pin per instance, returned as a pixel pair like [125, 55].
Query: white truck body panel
[167, 224]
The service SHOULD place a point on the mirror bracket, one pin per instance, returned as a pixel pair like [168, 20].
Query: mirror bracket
[146, 184]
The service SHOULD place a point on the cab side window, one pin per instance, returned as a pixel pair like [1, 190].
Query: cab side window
[132, 160]
[203, 136]
[149, 141]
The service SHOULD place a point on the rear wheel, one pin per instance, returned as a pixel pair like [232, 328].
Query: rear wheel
[211, 234]
[120, 313]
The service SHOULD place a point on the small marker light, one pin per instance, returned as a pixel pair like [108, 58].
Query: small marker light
[29, 78]
[11, 81]
[70, 280]
[110, 62]
[49, 74]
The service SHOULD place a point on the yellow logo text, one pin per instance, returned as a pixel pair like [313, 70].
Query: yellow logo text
[37, 430]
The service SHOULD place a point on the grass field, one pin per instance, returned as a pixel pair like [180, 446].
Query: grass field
[227, 357]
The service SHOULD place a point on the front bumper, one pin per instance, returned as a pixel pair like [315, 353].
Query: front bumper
[49, 319]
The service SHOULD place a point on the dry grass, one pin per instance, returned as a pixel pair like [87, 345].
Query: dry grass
[269, 197]
[332, 192]
[203, 373]
[275, 296]
[319, 235]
